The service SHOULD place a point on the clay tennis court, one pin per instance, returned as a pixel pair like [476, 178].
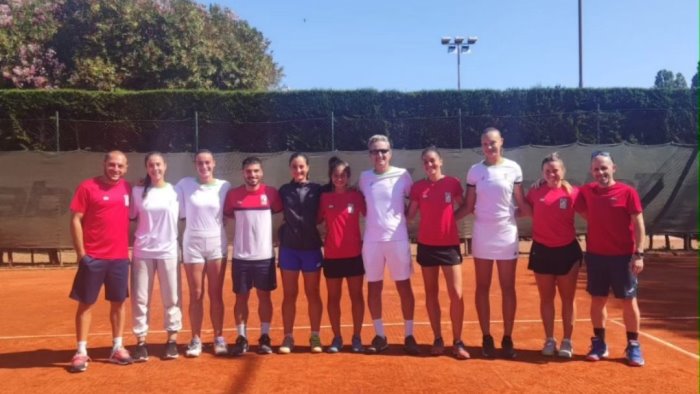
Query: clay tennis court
[37, 341]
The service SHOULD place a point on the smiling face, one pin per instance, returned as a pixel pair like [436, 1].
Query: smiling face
[155, 167]
[491, 145]
[299, 169]
[340, 178]
[205, 164]
[553, 172]
[380, 155]
[602, 170]
[114, 167]
[252, 175]
[432, 164]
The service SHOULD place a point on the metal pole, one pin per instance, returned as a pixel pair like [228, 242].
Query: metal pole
[196, 131]
[597, 117]
[580, 44]
[58, 134]
[332, 131]
[459, 52]
[459, 113]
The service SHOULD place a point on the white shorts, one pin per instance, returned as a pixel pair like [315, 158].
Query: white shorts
[495, 240]
[396, 255]
[199, 249]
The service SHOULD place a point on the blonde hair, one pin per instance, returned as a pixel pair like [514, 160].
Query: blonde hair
[378, 138]
[554, 156]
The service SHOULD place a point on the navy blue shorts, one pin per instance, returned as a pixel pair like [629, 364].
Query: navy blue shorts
[435, 256]
[605, 272]
[92, 273]
[248, 274]
[343, 268]
[300, 260]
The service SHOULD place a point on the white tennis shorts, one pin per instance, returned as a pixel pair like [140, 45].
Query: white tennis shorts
[395, 255]
[199, 249]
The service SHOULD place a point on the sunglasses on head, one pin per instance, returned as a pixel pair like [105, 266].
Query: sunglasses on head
[378, 151]
[597, 153]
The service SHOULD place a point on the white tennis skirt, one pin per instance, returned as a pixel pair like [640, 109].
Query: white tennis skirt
[495, 239]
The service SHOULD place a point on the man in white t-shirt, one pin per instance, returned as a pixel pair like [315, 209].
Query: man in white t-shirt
[386, 242]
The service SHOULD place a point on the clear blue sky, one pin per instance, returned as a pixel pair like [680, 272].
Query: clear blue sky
[395, 44]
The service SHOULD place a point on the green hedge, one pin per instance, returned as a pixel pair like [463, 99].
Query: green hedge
[302, 120]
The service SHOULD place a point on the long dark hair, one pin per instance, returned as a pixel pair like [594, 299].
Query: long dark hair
[147, 182]
[333, 163]
[306, 160]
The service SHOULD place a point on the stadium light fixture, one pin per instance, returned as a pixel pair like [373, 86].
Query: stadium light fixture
[458, 45]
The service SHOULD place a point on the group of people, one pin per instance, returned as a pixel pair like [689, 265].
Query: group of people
[387, 196]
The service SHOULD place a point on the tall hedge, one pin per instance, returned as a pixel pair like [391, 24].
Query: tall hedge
[320, 120]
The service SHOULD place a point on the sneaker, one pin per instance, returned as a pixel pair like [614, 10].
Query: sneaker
[410, 346]
[240, 347]
[378, 345]
[287, 345]
[194, 349]
[220, 347]
[599, 350]
[633, 354]
[264, 344]
[507, 348]
[438, 347]
[171, 351]
[315, 343]
[488, 348]
[336, 345]
[140, 353]
[357, 344]
[550, 347]
[79, 362]
[459, 351]
[121, 356]
[566, 350]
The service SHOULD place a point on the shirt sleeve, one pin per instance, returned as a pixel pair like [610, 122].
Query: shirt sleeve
[229, 204]
[580, 201]
[275, 200]
[413, 196]
[181, 197]
[634, 204]
[135, 201]
[80, 199]
[518, 173]
[408, 183]
[457, 190]
[472, 176]
[362, 206]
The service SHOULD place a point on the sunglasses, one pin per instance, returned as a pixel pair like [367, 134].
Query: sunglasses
[378, 151]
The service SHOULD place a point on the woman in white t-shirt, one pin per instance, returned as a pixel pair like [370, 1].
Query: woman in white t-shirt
[492, 185]
[155, 207]
[204, 248]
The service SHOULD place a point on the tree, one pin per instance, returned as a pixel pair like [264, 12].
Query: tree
[131, 44]
[666, 80]
[694, 82]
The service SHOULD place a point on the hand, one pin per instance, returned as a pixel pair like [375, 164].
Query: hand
[636, 264]
[538, 183]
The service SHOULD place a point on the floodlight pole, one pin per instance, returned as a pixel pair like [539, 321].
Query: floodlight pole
[580, 44]
[458, 44]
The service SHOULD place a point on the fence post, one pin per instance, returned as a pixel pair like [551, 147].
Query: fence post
[597, 117]
[58, 135]
[196, 131]
[459, 121]
[332, 131]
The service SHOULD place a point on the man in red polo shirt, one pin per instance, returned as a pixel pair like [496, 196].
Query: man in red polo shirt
[100, 230]
[614, 253]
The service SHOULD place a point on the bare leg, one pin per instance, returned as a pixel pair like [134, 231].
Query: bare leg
[483, 271]
[432, 303]
[453, 279]
[506, 277]
[290, 287]
[195, 281]
[546, 286]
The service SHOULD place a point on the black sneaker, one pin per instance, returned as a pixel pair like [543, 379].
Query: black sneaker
[240, 347]
[507, 348]
[410, 346]
[488, 348]
[171, 351]
[264, 344]
[140, 353]
[378, 345]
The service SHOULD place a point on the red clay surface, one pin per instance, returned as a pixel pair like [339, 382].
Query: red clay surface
[37, 342]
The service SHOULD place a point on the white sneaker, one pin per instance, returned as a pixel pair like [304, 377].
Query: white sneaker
[567, 349]
[550, 347]
[194, 349]
[220, 348]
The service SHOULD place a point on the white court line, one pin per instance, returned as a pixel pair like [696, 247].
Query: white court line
[661, 341]
[386, 324]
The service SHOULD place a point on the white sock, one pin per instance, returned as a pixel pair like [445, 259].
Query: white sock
[265, 328]
[117, 343]
[378, 327]
[220, 339]
[241, 329]
[408, 327]
[82, 347]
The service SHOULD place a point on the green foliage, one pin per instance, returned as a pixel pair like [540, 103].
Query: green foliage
[257, 121]
[666, 80]
[131, 44]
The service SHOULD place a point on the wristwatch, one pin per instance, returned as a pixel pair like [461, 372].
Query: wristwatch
[639, 254]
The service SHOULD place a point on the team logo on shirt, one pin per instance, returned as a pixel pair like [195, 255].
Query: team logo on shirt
[448, 197]
[351, 208]
[331, 206]
[563, 203]
[105, 198]
[263, 199]
[126, 200]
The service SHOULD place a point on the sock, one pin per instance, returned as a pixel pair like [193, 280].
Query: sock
[117, 343]
[219, 339]
[600, 333]
[82, 347]
[241, 329]
[408, 327]
[632, 336]
[378, 327]
[265, 328]
[314, 333]
[196, 339]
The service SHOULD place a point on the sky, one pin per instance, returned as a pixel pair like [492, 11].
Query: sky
[395, 45]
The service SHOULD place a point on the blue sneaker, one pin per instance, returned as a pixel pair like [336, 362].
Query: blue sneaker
[633, 354]
[357, 344]
[599, 350]
[336, 345]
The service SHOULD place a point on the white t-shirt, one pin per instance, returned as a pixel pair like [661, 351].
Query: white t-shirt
[202, 206]
[385, 195]
[494, 189]
[156, 228]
